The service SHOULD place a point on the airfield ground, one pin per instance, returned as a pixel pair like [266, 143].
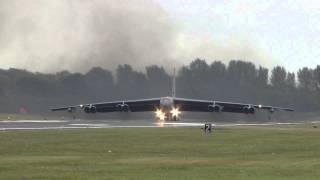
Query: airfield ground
[15, 117]
[272, 152]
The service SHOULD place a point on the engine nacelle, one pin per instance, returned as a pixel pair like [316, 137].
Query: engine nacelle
[125, 107]
[271, 110]
[90, 109]
[248, 109]
[214, 108]
[93, 109]
[122, 107]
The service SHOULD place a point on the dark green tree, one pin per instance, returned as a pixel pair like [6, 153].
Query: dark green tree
[291, 80]
[317, 77]
[130, 83]
[306, 79]
[279, 77]
[159, 82]
[100, 83]
[262, 77]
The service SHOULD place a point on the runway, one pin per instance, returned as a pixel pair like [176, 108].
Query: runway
[95, 124]
[81, 124]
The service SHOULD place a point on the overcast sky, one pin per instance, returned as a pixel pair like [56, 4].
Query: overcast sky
[288, 30]
[55, 35]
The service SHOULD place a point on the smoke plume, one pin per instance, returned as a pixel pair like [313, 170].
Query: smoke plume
[75, 35]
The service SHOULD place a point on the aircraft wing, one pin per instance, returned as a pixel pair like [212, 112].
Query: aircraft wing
[181, 103]
[209, 106]
[114, 106]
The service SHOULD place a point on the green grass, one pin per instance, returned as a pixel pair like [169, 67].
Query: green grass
[13, 117]
[162, 153]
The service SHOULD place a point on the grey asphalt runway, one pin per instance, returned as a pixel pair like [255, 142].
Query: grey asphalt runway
[79, 124]
[82, 124]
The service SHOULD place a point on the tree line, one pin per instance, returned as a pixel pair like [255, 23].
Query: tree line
[237, 81]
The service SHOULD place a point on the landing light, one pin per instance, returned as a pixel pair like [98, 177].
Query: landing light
[175, 112]
[162, 117]
[160, 114]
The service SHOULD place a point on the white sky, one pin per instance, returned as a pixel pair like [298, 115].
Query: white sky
[287, 31]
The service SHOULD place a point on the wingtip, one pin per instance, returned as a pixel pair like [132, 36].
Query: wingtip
[287, 109]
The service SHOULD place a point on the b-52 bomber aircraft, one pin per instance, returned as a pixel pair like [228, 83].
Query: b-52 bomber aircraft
[169, 108]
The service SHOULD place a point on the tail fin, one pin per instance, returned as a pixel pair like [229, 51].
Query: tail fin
[174, 83]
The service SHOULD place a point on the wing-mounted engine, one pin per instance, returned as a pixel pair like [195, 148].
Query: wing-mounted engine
[122, 107]
[249, 109]
[214, 107]
[70, 110]
[90, 109]
[271, 110]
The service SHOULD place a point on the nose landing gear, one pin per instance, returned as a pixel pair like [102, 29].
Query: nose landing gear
[175, 118]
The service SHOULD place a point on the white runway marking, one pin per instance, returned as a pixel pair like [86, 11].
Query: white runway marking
[181, 124]
[228, 125]
[80, 124]
[134, 126]
[98, 125]
[265, 124]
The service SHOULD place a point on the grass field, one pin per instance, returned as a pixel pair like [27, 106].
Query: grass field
[246, 153]
[13, 117]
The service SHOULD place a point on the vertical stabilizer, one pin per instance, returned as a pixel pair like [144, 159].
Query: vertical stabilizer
[174, 83]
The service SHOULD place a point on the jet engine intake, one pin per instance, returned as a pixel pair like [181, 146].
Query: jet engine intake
[248, 109]
[271, 110]
[90, 109]
[214, 108]
[122, 107]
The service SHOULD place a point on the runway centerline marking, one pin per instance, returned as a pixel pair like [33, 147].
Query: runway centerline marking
[98, 125]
